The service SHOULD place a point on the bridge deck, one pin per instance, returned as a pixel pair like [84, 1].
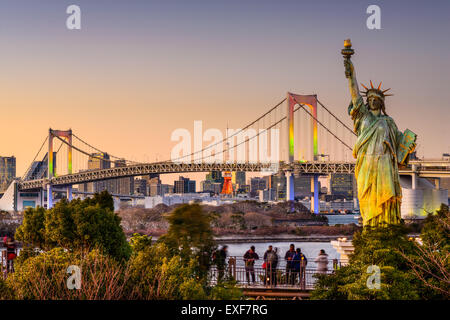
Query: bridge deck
[424, 169]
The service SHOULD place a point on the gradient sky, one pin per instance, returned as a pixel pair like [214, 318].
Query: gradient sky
[137, 70]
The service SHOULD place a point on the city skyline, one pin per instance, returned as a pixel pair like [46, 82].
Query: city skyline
[171, 64]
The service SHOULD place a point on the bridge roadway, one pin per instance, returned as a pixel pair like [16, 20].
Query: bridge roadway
[432, 168]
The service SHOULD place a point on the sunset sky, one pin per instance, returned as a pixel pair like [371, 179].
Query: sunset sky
[137, 70]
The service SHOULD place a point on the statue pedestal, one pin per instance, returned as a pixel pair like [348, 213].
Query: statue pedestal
[345, 248]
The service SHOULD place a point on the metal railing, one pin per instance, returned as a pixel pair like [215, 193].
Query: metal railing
[269, 277]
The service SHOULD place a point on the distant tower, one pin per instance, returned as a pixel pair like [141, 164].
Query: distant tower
[227, 184]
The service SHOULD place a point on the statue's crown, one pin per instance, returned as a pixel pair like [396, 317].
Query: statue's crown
[375, 92]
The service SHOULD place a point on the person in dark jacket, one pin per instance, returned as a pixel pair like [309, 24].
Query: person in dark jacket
[220, 259]
[290, 264]
[300, 267]
[296, 264]
[271, 263]
[11, 253]
[249, 258]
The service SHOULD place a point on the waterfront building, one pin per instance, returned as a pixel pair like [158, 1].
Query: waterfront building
[267, 195]
[342, 185]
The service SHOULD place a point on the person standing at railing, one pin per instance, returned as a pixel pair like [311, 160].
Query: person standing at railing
[249, 258]
[220, 259]
[322, 262]
[302, 271]
[271, 263]
[289, 257]
[11, 253]
[296, 265]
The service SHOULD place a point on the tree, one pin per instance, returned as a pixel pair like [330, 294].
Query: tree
[79, 224]
[432, 267]
[190, 236]
[379, 247]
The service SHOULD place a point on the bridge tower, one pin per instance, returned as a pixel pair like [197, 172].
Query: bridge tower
[51, 170]
[311, 102]
[227, 188]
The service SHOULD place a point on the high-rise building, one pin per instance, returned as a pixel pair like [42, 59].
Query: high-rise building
[238, 178]
[7, 171]
[140, 186]
[277, 182]
[341, 185]
[215, 176]
[123, 186]
[302, 186]
[99, 160]
[256, 184]
[184, 185]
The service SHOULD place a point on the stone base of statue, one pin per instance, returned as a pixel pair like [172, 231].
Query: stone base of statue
[345, 248]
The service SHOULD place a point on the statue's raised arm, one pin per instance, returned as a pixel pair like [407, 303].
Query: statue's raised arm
[350, 71]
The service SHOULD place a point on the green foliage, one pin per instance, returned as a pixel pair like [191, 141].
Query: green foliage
[78, 224]
[157, 274]
[380, 247]
[32, 230]
[88, 234]
[140, 242]
[435, 232]
[6, 293]
[45, 276]
[226, 290]
[190, 236]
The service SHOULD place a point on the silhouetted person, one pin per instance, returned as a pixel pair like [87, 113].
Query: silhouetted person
[271, 261]
[249, 258]
[289, 256]
[220, 261]
[11, 253]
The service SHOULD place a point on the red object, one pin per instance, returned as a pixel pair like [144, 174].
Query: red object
[264, 265]
[227, 185]
[11, 256]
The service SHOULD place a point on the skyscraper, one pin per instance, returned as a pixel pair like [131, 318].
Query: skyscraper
[256, 184]
[184, 185]
[341, 185]
[7, 171]
[121, 185]
[238, 178]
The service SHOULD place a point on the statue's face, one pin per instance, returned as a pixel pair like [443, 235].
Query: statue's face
[375, 104]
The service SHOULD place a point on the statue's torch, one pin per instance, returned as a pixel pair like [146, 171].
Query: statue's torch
[347, 52]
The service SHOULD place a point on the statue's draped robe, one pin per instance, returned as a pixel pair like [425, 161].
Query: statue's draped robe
[376, 170]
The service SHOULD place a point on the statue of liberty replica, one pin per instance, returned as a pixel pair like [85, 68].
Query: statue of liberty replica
[380, 149]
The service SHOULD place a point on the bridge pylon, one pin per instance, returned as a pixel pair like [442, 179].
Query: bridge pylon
[51, 170]
[311, 102]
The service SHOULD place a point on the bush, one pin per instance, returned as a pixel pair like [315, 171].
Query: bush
[45, 277]
[76, 225]
[374, 246]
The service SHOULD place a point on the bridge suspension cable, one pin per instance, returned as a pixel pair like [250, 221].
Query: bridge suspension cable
[35, 157]
[98, 150]
[329, 131]
[87, 153]
[334, 116]
[228, 137]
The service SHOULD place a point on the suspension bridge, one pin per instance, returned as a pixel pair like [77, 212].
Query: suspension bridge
[297, 136]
